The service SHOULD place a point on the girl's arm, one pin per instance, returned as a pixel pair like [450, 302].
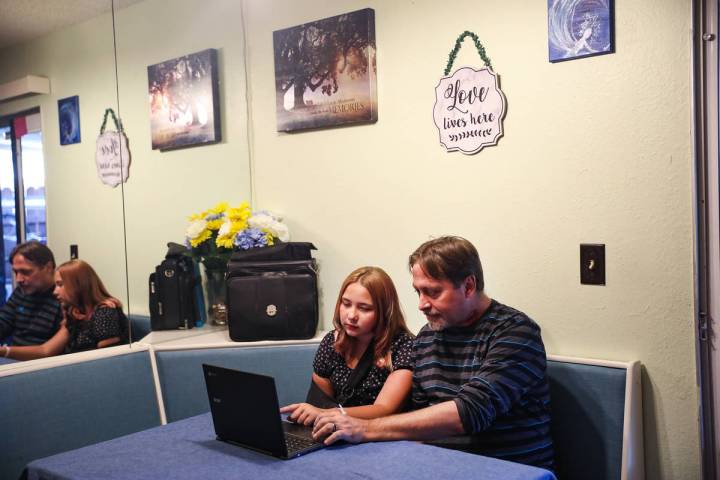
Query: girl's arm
[324, 384]
[391, 399]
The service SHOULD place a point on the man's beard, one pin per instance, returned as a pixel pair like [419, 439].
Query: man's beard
[436, 323]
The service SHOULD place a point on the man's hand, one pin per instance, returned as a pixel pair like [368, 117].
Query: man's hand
[302, 413]
[334, 426]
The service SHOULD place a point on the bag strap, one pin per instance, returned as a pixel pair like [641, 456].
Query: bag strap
[358, 374]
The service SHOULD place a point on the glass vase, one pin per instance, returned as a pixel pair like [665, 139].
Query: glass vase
[216, 294]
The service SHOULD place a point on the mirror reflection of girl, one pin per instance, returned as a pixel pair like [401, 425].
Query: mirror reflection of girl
[92, 318]
[367, 308]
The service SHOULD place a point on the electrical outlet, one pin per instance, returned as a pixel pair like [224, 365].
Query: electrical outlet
[592, 264]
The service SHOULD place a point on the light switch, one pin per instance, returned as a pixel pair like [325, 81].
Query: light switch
[592, 264]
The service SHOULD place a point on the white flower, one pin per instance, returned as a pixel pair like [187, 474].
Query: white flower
[261, 220]
[280, 230]
[195, 228]
[267, 221]
[225, 228]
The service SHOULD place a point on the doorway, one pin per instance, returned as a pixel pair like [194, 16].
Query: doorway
[22, 187]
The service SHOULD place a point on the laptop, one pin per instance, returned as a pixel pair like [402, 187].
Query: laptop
[245, 412]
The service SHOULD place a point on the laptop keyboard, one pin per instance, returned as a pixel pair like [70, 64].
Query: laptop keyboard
[296, 444]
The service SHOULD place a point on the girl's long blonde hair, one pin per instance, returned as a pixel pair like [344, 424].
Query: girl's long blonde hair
[83, 287]
[390, 320]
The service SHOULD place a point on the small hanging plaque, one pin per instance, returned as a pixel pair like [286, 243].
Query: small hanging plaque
[112, 155]
[469, 105]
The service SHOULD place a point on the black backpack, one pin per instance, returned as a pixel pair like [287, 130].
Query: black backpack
[172, 291]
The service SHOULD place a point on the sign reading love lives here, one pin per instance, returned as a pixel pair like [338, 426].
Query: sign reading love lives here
[112, 158]
[469, 110]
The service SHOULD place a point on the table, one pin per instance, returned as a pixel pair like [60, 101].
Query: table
[187, 449]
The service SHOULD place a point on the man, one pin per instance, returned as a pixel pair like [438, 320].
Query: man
[32, 314]
[479, 383]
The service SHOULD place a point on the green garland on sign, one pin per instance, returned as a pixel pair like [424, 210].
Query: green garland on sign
[118, 123]
[458, 44]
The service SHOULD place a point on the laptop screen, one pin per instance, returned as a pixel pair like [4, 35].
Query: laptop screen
[245, 409]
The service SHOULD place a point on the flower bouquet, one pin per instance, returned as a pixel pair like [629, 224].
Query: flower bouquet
[214, 234]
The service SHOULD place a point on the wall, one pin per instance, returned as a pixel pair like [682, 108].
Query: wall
[595, 150]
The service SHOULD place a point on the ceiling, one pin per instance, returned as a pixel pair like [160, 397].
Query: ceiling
[23, 20]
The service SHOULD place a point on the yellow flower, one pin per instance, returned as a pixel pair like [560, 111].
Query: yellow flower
[204, 235]
[219, 208]
[227, 232]
[215, 217]
[239, 214]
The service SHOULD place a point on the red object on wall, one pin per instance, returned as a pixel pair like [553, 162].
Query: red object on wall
[20, 126]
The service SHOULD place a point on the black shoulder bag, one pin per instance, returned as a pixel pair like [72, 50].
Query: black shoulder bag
[320, 399]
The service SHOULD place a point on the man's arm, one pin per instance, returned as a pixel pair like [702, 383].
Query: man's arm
[441, 420]
[514, 363]
[52, 347]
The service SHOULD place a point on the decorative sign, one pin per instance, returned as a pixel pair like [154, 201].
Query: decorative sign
[469, 109]
[469, 105]
[112, 155]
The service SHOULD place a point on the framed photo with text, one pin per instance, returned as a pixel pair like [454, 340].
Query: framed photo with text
[325, 72]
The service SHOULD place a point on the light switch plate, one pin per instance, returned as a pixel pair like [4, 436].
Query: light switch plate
[592, 264]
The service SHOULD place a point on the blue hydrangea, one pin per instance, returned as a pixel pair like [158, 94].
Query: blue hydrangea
[250, 238]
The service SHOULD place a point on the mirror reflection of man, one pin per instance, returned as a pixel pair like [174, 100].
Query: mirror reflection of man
[479, 383]
[32, 314]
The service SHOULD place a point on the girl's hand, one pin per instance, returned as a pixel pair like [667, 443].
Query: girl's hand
[302, 413]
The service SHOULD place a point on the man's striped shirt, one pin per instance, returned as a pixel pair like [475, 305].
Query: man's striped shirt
[494, 371]
[29, 319]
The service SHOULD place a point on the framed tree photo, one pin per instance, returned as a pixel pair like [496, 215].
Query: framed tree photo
[580, 28]
[325, 72]
[184, 105]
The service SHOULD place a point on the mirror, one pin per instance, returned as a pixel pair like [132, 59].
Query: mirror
[78, 60]
[103, 58]
[167, 185]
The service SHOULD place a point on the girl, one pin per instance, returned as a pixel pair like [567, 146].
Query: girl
[92, 317]
[367, 314]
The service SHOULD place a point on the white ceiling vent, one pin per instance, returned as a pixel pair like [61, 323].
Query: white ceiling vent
[22, 87]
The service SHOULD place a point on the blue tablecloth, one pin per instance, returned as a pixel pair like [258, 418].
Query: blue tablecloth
[188, 450]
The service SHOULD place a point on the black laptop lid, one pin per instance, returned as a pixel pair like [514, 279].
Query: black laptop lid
[245, 409]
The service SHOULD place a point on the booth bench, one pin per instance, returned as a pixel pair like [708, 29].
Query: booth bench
[58, 404]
